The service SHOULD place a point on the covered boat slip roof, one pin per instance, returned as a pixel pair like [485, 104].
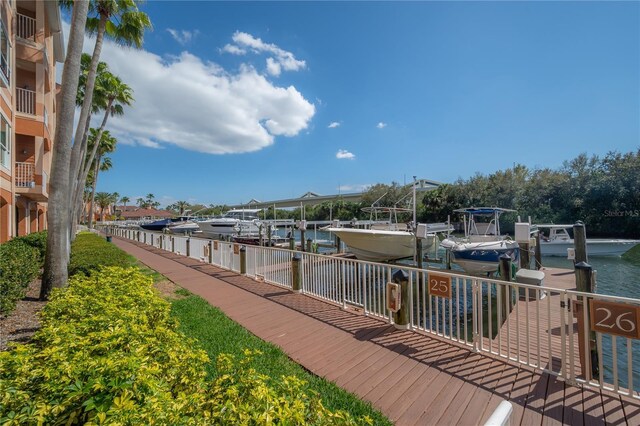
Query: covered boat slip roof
[483, 211]
[311, 198]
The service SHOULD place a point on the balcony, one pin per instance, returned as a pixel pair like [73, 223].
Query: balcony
[25, 175]
[29, 183]
[26, 27]
[26, 101]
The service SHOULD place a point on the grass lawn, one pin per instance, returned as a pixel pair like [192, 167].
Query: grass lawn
[217, 333]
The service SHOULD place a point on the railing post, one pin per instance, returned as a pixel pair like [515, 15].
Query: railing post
[243, 260]
[475, 312]
[584, 283]
[211, 252]
[401, 317]
[295, 273]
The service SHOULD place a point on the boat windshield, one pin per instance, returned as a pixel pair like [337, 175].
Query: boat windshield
[242, 214]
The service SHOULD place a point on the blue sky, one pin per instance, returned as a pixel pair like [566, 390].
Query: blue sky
[236, 100]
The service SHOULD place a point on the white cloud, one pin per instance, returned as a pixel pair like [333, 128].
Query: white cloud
[233, 49]
[183, 36]
[343, 154]
[197, 105]
[354, 188]
[281, 59]
[381, 125]
[334, 124]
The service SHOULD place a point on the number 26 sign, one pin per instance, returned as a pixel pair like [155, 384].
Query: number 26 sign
[620, 319]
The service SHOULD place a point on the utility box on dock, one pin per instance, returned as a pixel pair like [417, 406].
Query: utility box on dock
[527, 276]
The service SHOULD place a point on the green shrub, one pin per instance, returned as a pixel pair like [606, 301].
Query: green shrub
[90, 251]
[19, 266]
[108, 353]
[37, 240]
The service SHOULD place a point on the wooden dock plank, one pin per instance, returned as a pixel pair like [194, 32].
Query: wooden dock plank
[413, 377]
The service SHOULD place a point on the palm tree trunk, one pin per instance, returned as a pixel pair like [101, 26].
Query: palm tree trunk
[84, 172]
[77, 211]
[58, 244]
[85, 112]
[93, 190]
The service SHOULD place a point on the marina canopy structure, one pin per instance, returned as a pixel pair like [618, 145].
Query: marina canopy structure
[312, 199]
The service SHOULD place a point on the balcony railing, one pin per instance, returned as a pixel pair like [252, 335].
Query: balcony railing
[26, 101]
[46, 118]
[26, 27]
[25, 175]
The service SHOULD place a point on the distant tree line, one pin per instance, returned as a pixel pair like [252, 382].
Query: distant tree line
[604, 193]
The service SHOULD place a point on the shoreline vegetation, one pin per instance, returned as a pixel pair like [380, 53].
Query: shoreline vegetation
[599, 191]
[133, 356]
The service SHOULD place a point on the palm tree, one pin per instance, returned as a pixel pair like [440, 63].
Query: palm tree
[181, 206]
[140, 202]
[114, 95]
[104, 200]
[121, 21]
[124, 200]
[57, 255]
[107, 144]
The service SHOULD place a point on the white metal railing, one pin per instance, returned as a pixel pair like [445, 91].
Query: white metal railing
[26, 101]
[25, 175]
[520, 323]
[26, 27]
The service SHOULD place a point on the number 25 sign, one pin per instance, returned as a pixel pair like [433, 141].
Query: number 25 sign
[620, 319]
[439, 285]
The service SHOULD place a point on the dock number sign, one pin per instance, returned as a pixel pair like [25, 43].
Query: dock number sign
[439, 285]
[620, 319]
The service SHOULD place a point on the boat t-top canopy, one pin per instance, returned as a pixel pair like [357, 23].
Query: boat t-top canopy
[386, 209]
[483, 211]
[554, 226]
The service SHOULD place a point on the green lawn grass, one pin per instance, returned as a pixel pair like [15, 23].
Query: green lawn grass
[216, 334]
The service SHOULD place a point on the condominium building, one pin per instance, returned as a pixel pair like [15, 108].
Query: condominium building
[31, 44]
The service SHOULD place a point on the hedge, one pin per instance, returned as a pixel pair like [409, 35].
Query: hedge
[19, 265]
[90, 252]
[109, 352]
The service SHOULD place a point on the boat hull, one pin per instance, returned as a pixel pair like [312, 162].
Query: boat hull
[483, 257]
[595, 247]
[377, 246]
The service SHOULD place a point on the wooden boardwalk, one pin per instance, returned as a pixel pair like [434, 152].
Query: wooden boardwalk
[412, 378]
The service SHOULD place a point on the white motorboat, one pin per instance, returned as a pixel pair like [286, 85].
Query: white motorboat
[559, 240]
[233, 222]
[184, 227]
[478, 253]
[385, 241]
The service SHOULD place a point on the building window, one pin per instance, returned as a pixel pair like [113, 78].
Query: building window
[5, 54]
[5, 143]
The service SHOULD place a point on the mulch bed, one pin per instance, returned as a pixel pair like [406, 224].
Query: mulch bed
[20, 325]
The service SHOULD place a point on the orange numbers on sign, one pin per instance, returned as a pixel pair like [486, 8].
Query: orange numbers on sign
[620, 319]
[439, 285]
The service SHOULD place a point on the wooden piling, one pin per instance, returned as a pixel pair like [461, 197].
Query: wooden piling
[295, 273]
[243, 260]
[584, 283]
[538, 252]
[302, 240]
[401, 317]
[505, 275]
[309, 250]
[525, 259]
[580, 242]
